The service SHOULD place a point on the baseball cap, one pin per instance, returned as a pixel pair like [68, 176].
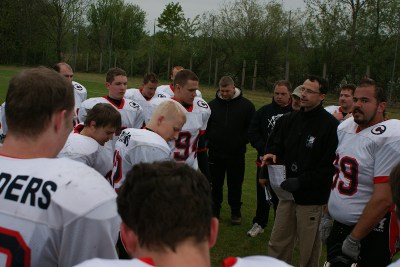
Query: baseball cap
[297, 91]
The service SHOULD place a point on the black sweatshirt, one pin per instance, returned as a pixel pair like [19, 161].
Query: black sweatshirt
[306, 142]
[227, 126]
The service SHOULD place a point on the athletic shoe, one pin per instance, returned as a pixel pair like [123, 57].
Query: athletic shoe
[255, 230]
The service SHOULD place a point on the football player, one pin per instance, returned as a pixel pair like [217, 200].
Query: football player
[150, 144]
[80, 92]
[169, 89]
[189, 146]
[86, 143]
[146, 94]
[343, 111]
[131, 112]
[364, 230]
[53, 212]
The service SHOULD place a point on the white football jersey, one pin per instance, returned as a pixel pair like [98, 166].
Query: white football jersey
[136, 95]
[86, 150]
[146, 262]
[184, 149]
[3, 124]
[363, 158]
[55, 212]
[395, 264]
[333, 109]
[253, 261]
[168, 89]
[80, 95]
[133, 147]
[131, 113]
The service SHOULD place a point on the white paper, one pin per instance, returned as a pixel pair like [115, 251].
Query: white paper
[277, 174]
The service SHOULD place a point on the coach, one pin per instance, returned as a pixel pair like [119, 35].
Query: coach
[226, 133]
[306, 144]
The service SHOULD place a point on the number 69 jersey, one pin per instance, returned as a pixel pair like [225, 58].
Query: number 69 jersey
[184, 149]
[363, 158]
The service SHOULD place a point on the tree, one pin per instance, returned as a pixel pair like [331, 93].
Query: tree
[170, 21]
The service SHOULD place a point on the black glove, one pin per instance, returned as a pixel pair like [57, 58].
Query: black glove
[351, 247]
[291, 184]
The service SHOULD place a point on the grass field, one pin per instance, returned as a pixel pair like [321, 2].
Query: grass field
[232, 240]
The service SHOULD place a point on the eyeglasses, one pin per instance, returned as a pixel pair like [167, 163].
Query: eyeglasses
[309, 91]
[68, 76]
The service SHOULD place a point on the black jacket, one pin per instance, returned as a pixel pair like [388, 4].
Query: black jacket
[306, 142]
[227, 126]
[263, 123]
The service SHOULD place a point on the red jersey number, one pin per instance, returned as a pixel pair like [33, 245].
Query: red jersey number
[349, 169]
[14, 247]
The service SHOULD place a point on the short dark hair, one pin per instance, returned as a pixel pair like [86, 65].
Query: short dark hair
[113, 72]
[394, 180]
[348, 86]
[57, 66]
[166, 203]
[183, 76]
[150, 77]
[285, 83]
[323, 83]
[225, 81]
[103, 114]
[33, 96]
[380, 94]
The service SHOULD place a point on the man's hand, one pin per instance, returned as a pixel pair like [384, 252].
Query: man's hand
[325, 227]
[268, 159]
[351, 247]
[291, 184]
[263, 182]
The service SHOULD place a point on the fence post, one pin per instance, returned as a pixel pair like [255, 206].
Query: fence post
[243, 74]
[254, 76]
[115, 61]
[168, 68]
[101, 61]
[87, 62]
[324, 71]
[216, 73]
[191, 62]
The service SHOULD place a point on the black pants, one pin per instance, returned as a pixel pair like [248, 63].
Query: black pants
[263, 207]
[234, 169]
[376, 248]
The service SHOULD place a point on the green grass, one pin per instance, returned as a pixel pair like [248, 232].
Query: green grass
[232, 240]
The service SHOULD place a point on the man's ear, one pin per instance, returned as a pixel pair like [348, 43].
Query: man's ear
[92, 124]
[213, 232]
[129, 240]
[58, 120]
[382, 107]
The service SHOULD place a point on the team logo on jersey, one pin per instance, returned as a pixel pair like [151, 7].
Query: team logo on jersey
[202, 104]
[78, 87]
[380, 129]
[124, 138]
[294, 167]
[161, 96]
[310, 141]
[381, 226]
[133, 104]
[272, 121]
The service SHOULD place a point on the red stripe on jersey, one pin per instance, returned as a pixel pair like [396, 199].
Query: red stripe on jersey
[381, 179]
[171, 86]
[148, 261]
[202, 149]
[258, 163]
[188, 109]
[202, 132]
[78, 128]
[112, 103]
[228, 262]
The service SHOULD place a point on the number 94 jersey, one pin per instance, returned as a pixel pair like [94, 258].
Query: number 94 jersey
[184, 149]
[363, 158]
